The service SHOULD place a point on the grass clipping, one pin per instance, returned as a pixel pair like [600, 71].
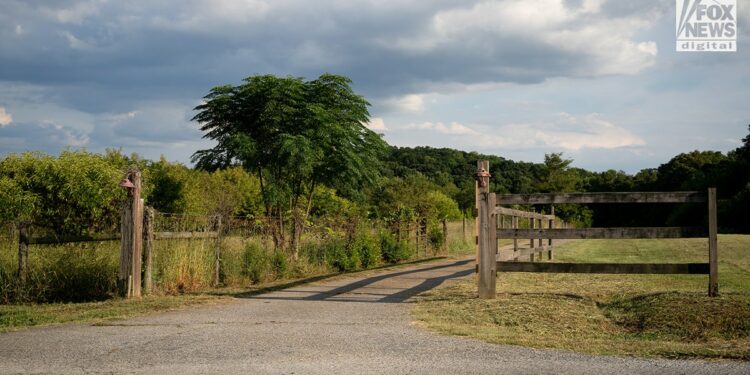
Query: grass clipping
[638, 315]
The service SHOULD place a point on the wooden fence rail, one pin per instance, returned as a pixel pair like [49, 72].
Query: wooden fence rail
[604, 233]
[489, 233]
[609, 197]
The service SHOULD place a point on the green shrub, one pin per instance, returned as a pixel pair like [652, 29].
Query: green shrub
[391, 249]
[313, 252]
[279, 264]
[369, 250]
[80, 274]
[336, 254]
[435, 236]
[256, 262]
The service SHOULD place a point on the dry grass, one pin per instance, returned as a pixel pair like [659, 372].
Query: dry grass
[648, 315]
[20, 316]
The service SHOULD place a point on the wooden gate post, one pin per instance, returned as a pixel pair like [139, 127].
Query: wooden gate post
[217, 252]
[514, 225]
[148, 249]
[713, 265]
[487, 233]
[23, 253]
[131, 243]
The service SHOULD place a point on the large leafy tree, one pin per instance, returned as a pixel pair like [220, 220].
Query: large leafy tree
[295, 135]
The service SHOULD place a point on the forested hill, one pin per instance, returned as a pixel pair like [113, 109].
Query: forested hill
[452, 170]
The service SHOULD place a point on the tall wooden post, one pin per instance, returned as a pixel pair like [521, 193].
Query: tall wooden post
[514, 224]
[480, 166]
[487, 233]
[148, 249]
[551, 226]
[445, 235]
[463, 227]
[540, 225]
[23, 252]
[131, 244]
[531, 226]
[713, 262]
[217, 252]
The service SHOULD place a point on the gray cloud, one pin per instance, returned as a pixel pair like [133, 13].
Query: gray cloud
[80, 64]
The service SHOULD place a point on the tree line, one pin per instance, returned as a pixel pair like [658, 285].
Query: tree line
[289, 151]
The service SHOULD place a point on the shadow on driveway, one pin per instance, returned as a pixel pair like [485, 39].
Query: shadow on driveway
[433, 278]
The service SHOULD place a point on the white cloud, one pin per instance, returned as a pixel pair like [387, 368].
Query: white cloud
[454, 128]
[565, 132]
[119, 117]
[19, 30]
[376, 124]
[5, 117]
[562, 132]
[406, 103]
[74, 42]
[603, 45]
[64, 135]
[77, 13]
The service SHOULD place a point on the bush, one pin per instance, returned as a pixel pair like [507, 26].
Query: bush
[80, 274]
[368, 249]
[337, 255]
[62, 273]
[391, 249]
[279, 264]
[435, 236]
[256, 262]
[313, 252]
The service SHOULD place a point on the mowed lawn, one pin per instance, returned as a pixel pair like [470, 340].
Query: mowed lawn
[642, 315]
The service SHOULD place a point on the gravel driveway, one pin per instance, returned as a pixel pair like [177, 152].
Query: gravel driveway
[355, 325]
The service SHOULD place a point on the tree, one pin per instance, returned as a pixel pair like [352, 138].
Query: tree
[557, 175]
[73, 194]
[294, 135]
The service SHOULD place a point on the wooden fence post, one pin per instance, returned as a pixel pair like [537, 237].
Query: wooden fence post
[487, 234]
[514, 224]
[131, 244]
[23, 253]
[540, 223]
[531, 241]
[713, 265]
[148, 249]
[217, 252]
[551, 226]
[463, 227]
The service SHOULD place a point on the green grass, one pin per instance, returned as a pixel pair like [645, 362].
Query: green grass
[641, 315]
[19, 316]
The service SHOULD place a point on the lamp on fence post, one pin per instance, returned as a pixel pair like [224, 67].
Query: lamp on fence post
[131, 232]
[487, 251]
[483, 177]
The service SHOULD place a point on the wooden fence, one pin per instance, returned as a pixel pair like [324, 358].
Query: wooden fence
[488, 233]
[538, 247]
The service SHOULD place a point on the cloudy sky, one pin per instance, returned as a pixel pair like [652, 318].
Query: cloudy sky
[597, 80]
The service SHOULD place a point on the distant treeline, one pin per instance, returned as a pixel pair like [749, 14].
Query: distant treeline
[77, 193]
[451, 170]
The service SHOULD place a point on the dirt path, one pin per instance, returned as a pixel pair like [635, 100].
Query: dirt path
[351, 325]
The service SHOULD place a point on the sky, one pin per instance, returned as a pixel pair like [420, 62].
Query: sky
[597, 80]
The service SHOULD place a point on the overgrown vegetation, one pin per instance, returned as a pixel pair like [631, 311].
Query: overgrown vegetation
[645, 315]
[294, 161]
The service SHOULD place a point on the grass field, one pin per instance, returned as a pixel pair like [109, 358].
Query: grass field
[643, 315]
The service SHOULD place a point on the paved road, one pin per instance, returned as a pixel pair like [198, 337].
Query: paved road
[355, 325]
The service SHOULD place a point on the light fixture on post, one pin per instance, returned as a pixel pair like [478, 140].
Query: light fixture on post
[483, 177]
